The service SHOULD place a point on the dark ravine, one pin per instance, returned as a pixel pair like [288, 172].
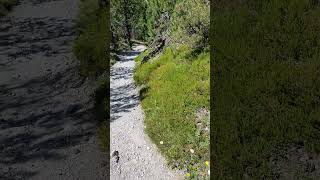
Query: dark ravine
[47, 124]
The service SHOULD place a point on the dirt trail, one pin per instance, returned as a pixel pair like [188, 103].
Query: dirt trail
[138, 157]
[47, 126]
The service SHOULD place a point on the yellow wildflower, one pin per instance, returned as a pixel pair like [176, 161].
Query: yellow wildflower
[207, 163]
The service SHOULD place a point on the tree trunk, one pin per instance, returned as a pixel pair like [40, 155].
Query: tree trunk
[145, 27]
[114, 41]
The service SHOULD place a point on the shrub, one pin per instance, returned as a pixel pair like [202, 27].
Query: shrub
[190, 23]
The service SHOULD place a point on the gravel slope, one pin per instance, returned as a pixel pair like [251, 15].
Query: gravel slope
[47, 126]
[138, 158]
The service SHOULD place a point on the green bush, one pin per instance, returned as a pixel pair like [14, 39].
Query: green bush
[266, 83]
[191, 28]
[91, 47]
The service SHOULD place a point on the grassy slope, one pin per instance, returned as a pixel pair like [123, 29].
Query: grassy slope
[92, 49]
[5, 6]
[176, 85]
[266, 84]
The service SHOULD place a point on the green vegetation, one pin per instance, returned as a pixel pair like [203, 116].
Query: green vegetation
[173, 74]
[266, 84]
[175, 84]
[91, 47]
[6, 5]
[138, 20]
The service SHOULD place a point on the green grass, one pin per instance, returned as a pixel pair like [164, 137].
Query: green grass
[266, 84]
[176, 86]
[6, 5]
[91, 47]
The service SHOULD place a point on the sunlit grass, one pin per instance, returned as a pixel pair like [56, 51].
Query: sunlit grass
[177, 85]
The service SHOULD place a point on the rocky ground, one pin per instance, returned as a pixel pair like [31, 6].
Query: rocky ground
[47, 128]
[134, 156]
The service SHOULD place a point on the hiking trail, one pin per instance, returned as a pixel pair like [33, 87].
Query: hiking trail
[137, 157]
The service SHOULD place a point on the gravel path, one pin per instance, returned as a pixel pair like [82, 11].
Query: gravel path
[47, 126]
[137, 157]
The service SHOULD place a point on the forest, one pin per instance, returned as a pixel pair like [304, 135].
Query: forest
[264, 90]
[175, 68]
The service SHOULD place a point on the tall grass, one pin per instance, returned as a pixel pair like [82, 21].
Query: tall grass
[266, 83]
[176, 86]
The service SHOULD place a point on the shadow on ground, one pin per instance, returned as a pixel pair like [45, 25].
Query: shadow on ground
[38, 121]
[123, 94]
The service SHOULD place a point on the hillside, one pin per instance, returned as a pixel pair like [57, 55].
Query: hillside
[266, 89]
[173, 74]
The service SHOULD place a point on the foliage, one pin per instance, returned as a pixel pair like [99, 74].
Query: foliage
[190, 23]
[184, 82]
[147, 19]
[127, 14]
[91, 47]
[143, 21]
[155, 9]
[266, 83]
[6, 5]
